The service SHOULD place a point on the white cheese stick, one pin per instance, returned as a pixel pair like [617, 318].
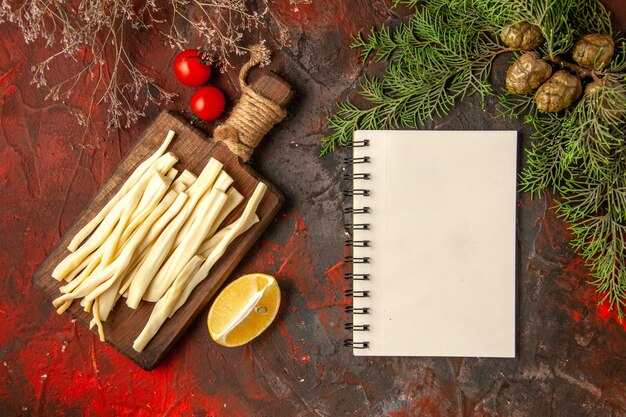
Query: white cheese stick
[208, 245]
[164, 244]
[172, 173]
[74, 259]
[206, 179]
[106, 271]
[179, 188]
[63, 307]
[134, 177]
[163, 307]
[153, 261]
[234, 199]
[151, 200]
[186, 178]
[128, 203]
[200, 187]
[222, 183]
[163, 212]
[160, 168]
[208, 208]
[123, 262]
[157, 213]
[111, 246]
[95, 262]
[107, 267]
[237, 229]
[127, 279]
[107, 300]
[154, 193]
[76, 271]
[153, 233]
[187, 249]
[133, 275]
[157, 227]
[97, 322]
[157, 254]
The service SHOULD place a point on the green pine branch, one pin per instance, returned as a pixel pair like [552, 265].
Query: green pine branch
[435, 59]
[444, 53]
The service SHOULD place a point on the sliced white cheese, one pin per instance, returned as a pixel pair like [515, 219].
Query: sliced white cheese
[102, 233]
[165, 243]
[172, 173]
[237, 229]
[134, 177]
[186, 178]
[163, 307]
[234, 199]
[152, 196]
[222, 183]
[210, 207]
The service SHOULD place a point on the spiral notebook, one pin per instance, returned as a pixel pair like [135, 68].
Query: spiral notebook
[433, 237]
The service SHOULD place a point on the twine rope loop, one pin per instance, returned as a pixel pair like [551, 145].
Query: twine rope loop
[253, 116]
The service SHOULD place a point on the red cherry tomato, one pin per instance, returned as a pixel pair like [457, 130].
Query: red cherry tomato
[190, 70]
[207, 103]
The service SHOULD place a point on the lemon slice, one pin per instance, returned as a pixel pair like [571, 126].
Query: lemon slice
[243, 309]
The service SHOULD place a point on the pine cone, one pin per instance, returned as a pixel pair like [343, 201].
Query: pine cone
[558, 93]
[594, 50]
[522, 35]
[527, 73]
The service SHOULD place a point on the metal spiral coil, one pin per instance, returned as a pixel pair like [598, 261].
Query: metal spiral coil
[359, 143]
[358, 243]
[357, 176]
[355, 345]
[356, 327]
[357, 310]
[356, 294]
[353, 260]
[356, 277]
[356, 191]
[361, 243]
[352, 210]
[359, 160]
[358, 226]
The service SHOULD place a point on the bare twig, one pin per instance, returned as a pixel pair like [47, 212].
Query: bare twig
[97, 32]
[581, 71]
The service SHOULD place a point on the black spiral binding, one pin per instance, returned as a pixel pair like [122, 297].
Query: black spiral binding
[357, 226]
[353, 212]
[352, 260]
[357, 243]
[356, 191]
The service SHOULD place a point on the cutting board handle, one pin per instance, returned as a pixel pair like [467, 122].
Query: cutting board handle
[260, 107]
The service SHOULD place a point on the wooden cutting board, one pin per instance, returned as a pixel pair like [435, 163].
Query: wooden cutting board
[193, 149]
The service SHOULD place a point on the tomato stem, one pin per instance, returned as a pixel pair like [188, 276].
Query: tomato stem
[195, 119]
[200, 59]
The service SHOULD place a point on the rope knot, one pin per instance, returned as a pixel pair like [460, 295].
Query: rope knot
[253, 116]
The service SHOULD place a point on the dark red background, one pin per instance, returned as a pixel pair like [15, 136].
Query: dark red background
[571, 357]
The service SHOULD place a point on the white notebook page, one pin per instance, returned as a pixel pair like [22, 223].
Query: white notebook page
[442, 243]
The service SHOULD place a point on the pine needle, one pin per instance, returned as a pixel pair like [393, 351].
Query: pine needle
[444, 53]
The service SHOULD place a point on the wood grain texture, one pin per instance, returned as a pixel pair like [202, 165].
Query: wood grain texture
[193, 150]
[270, 85]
